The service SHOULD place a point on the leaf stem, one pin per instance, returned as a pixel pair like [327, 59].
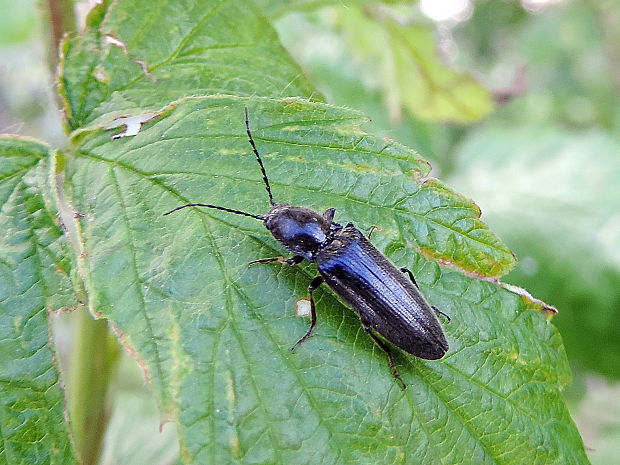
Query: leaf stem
[93, 360]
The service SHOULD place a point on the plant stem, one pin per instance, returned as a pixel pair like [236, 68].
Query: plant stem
[93, 359]
[60, 17]
[94, 353]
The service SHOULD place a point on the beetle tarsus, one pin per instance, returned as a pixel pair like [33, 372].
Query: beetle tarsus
[408, 271]
[386, 349]
[372, 230]
[316, 282]
[441, 313]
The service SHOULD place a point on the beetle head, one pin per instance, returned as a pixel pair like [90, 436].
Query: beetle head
[299, 229]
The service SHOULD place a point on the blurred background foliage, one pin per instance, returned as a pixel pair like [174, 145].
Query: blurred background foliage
[516, 104]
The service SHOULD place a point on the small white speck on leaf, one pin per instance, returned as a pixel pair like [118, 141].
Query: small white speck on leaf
[302, 307]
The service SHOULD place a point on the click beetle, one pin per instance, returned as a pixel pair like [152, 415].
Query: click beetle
[387, 302]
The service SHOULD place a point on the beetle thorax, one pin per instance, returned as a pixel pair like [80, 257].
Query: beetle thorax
[299, 229]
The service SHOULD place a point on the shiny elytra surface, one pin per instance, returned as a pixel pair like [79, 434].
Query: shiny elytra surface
[381, 294]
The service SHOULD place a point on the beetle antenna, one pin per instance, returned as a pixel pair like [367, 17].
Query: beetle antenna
[229, 210]
[260, 162]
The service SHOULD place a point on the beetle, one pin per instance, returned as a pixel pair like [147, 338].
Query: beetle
[387, 302]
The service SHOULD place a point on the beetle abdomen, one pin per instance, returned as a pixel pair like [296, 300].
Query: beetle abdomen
[386, 300]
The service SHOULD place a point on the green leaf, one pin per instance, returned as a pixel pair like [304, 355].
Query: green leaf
[556, 203]
[213, 335]
[413, 75]
[33, 279]
[140, 56]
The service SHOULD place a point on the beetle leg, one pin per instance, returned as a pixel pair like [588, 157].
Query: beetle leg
[316, 282]
[372, 229]
[441, 313]
[386, 349]
[294, 260]
[408, 271]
